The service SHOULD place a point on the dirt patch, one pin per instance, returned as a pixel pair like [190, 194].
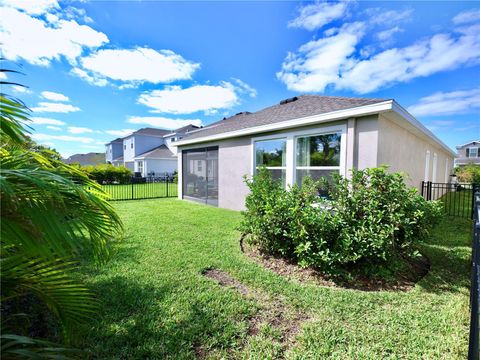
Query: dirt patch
[415, 270]
[273, 311]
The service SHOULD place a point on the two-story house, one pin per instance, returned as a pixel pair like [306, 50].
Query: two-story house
[468, 153]
[148, 151]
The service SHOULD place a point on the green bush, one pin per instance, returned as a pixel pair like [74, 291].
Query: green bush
[468, 173]
[371, 221]
[107, 173]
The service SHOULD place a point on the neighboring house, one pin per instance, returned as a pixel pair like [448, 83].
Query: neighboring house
[307, 135]
[468, 153]
[148, 151]
[86, 159]
[114, 152]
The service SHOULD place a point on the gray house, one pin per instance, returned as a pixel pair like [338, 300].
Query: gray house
[148, 151]
[307, 135]
[468, 153]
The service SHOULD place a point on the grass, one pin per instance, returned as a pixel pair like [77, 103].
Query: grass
[157, 304]
[458, 203]
[141, 191]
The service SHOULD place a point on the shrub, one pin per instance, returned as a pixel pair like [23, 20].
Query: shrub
[107, 173]
[371, 221]
[468, 173]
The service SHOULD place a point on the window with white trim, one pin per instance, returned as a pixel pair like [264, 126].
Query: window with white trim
[272, 155]
[472, 152]
[140, 167]
[317, 156]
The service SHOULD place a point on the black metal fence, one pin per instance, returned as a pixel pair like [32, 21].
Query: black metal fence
[473, 348]
[457, 199]
[137, 188]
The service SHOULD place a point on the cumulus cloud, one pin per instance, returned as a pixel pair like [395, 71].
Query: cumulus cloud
[46, 137]
[54, 128]
[319, 62]
[120, 133]
[318, 14]
[54, 108]
[387, 35]
[178, 100]
[447, 103]
[137, 65]
[467, 16]
[333, 60]
[46, 121]
[381, 16]
[91, 79]
[21, 89]
[54, 96]
[162, 122]
[38, 42]
[32, 7]
[79, 130]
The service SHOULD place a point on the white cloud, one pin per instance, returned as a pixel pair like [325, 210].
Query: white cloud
[54, 128]
[388, 17]
[38, 42]
[120, 133]
[318, 14]
[467, 16]
[32, 7]
[55, 108]
[21, 89]
[91, 79]
[243, 87]
[43, 137]
[79, 130]
[53, 96]
[319, 62]
[3, 76]
[46, 121]
[332, 61]
[176, 100]
[387, 35]
[137, 65]
[447, 103]
[162, 122]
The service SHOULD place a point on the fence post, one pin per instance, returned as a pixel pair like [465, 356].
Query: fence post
[429, 190]
[473, 343]
[423, 187]
[166, 182]
[474, 189]
[131, 180]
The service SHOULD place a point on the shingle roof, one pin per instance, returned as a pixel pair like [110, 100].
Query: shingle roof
[116, 140]
[120, 158]
[161, 151]
[151, 131]
[305, 105]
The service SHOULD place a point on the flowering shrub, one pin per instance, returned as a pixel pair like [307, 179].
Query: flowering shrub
[371, 221]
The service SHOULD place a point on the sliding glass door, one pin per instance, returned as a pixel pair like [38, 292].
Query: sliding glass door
[200, 175]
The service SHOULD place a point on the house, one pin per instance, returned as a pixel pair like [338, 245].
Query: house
[148, 151]
[90, 158]
[468, 153]
[307, 135]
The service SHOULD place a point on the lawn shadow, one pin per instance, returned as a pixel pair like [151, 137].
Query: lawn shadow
[449, 251]
[124, 329]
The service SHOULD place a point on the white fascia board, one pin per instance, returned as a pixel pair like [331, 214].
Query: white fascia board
[309, 120]
[397, 108]
[154, 158]
[469, 143]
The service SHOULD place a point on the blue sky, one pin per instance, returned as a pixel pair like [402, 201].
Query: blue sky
[98, 70]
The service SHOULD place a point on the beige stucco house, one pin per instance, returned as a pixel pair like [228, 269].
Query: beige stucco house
[307, 135]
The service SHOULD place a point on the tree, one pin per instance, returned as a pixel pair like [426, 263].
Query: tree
[52, 215]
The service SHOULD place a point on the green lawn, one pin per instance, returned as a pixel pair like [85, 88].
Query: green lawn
[141, 191]
[157, 304]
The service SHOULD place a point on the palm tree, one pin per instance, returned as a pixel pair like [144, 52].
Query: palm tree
[52, 216]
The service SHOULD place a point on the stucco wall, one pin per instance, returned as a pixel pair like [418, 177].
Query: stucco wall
[407, 152]
[366, 142]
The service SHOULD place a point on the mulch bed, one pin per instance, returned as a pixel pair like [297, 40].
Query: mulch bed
[404, 281]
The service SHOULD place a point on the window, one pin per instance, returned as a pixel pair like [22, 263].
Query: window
[272, 155]
[140, 167]
[317, 156]
[124, 146]
[131, 144]
[472, 152]
[173, 139]
[199, 165]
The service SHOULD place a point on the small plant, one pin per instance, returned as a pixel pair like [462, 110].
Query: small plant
[371, 221]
